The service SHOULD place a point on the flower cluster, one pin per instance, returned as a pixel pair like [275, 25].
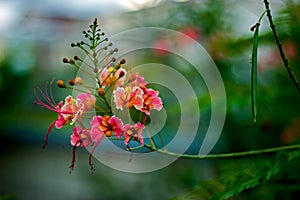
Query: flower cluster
[126, 89]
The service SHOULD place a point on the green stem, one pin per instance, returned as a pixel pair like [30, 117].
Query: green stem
[221, 155]
[226, 155]
[279, 46]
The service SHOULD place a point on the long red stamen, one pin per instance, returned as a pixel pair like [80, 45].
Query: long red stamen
[74, 155]
[41, 103]
[47, 134]
[51, 94]
[47, 97]
[91, 156]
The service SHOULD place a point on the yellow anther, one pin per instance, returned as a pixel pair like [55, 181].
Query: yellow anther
[111, 69]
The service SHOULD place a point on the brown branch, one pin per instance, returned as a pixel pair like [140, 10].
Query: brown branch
[282, 55]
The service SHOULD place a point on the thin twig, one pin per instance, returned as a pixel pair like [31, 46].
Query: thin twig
[282, 55]
[226, 155]
[221, 155]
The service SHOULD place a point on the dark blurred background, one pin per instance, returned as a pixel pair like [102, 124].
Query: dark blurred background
[36, 35]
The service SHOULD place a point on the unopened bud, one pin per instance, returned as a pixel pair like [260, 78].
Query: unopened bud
[65, 60]
[123, 61]
[73, 45]
[76, 58]
[71, 81]
[101, 92]
[96, 70]
[71, 61]
[78, 80]
[122, 73]
[61, 84]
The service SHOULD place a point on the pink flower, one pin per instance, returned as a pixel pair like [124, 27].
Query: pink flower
[133, 132]
[161, 47]
[110, 75]
[105, 125]
[190, 31]
[151, 101]
[136, 80]
[128, 97]
[71, 110]
[88, 100]
[81, 137]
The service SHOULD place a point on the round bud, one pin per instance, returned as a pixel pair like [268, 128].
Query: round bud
[76, 58]
[108, 133]
[71, 81]
[78, 80]
[122, 73]
[71, 61]
[116, 50]
[101, 92]
[96, 70]
[61, 84]
[65, 60]
[73, 45]
[123, 61]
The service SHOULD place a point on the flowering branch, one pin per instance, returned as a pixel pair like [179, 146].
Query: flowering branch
[112, 81]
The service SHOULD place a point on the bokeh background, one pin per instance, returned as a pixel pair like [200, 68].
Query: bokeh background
[36, 35]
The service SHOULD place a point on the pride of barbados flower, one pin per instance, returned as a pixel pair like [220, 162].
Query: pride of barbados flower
[128, 97]
[68, 111]
[112, 84]
[136, 94]
[133, 132]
